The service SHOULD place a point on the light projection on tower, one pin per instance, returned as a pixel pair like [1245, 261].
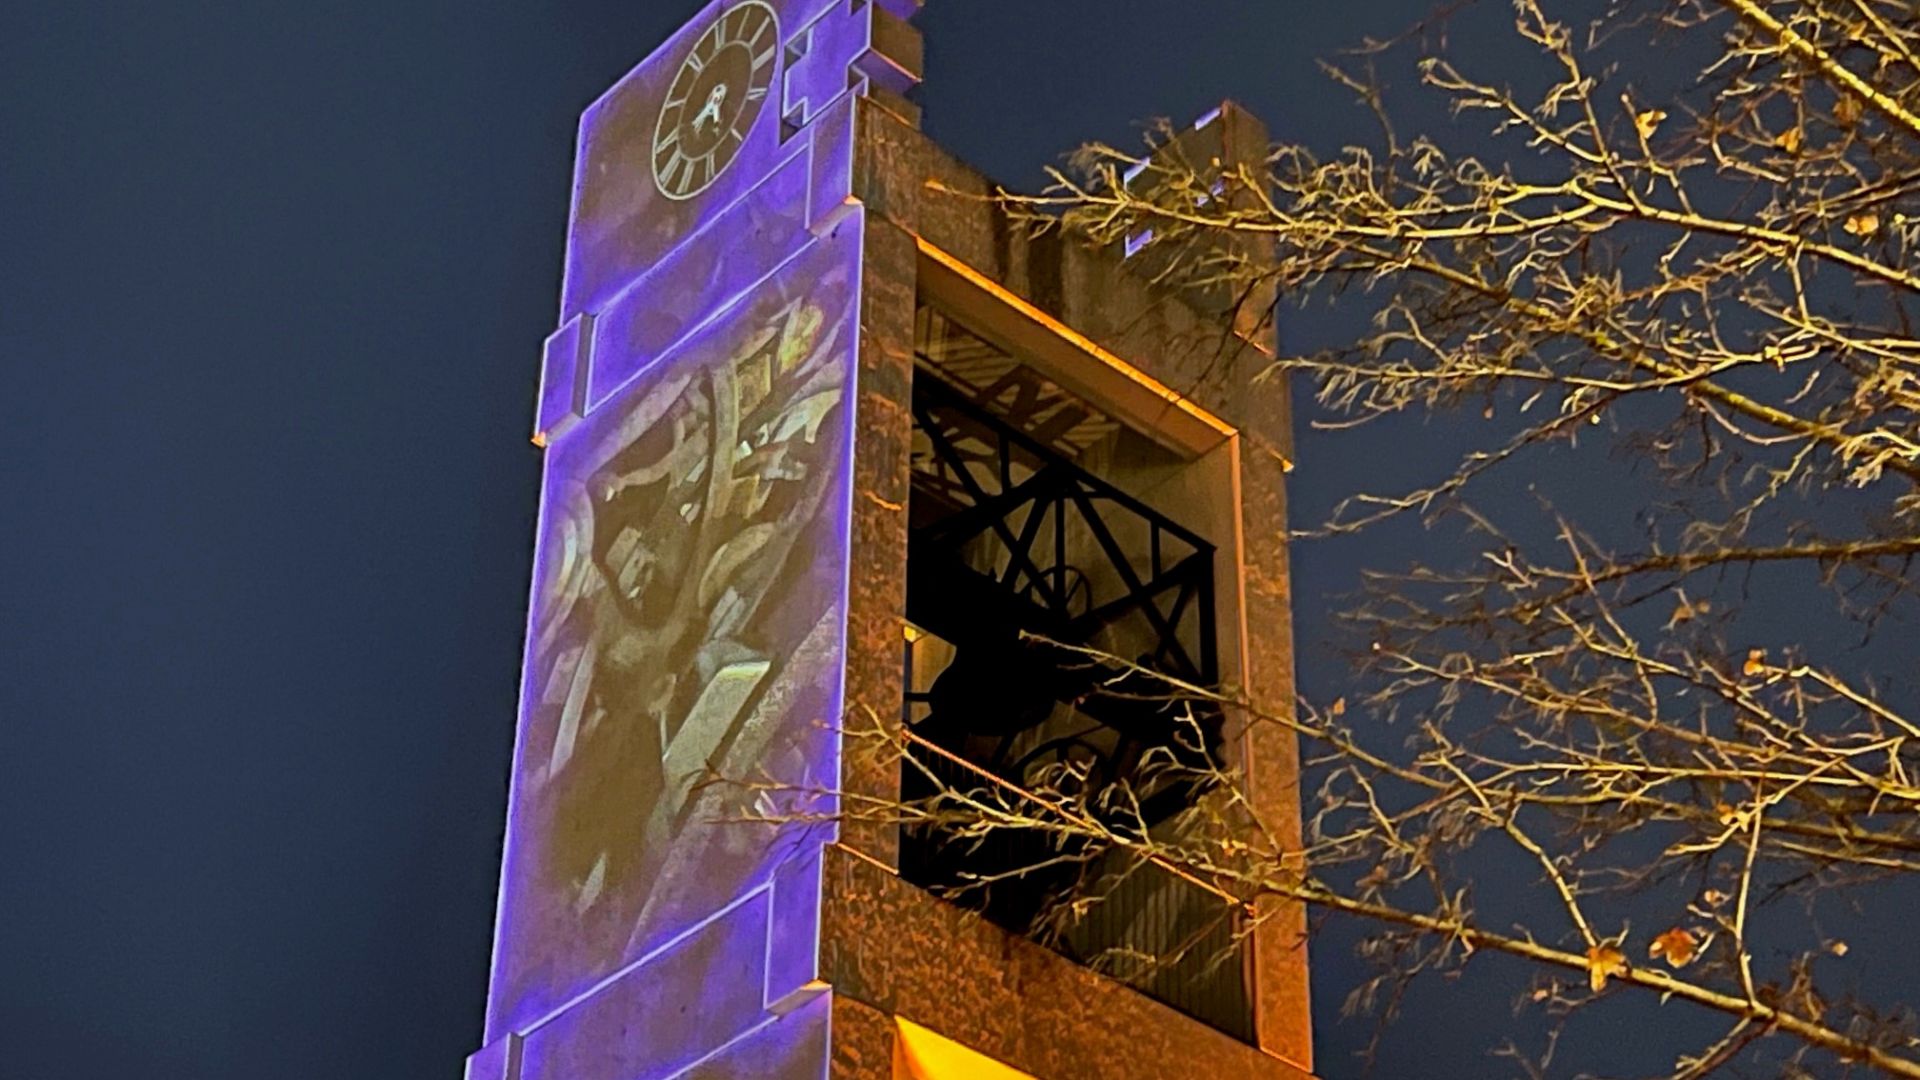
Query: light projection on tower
[687, 620]
[688, 617]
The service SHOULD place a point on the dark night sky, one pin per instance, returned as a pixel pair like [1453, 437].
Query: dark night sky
[273, 279]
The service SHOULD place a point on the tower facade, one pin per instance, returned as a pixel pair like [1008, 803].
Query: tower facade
[822, 428]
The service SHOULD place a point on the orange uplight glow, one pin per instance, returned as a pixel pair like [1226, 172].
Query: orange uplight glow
[1211, 428]
[919, 1054]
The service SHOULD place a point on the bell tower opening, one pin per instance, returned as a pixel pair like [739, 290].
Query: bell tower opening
[1051, 583]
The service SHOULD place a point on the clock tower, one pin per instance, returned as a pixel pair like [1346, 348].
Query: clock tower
[822, 432]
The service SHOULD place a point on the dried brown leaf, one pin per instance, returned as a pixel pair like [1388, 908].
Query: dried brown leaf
[1677, 946]
[1604, 961]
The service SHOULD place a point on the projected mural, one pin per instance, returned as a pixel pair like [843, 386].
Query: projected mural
[686, 623]
[686, 628]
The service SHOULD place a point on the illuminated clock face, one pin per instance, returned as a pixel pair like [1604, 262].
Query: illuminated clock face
[715, 98]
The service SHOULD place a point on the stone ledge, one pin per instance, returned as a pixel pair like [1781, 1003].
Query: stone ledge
[896, 948]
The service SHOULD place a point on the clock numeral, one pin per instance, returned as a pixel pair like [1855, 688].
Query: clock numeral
[676, 166]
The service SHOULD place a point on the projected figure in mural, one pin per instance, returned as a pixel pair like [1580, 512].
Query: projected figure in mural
[685, 624]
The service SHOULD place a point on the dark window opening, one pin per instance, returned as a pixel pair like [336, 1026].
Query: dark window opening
[1014, 542]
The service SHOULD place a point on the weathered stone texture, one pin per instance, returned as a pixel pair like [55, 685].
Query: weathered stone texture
[877, 593]
[903, 952]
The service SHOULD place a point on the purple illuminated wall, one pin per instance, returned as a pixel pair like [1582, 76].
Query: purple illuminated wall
[685, 639]
[686, 618]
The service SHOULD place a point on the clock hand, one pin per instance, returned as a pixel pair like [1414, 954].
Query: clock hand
[711, 110]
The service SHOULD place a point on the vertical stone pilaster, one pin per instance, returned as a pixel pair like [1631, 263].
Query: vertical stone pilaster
[1283, 1019]
[863, 1039]
[878, 556]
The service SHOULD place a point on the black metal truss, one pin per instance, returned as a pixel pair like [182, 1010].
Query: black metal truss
[1008, 485]
[989, 558]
